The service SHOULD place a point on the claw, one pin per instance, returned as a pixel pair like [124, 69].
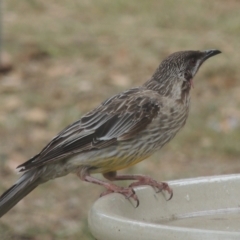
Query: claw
[158, 186]
[171, 195]
[137, 203]
[134, 197]
[165, 187]
[126, 192]
[131, 194]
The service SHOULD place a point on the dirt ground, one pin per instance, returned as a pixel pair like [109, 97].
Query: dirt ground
[62, 58]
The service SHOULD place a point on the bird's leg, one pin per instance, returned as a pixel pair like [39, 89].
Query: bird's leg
[141, 180]
[129, 192]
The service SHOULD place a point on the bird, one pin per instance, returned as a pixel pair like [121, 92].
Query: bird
[122, 131]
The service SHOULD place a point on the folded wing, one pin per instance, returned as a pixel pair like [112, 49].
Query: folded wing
[119, 118]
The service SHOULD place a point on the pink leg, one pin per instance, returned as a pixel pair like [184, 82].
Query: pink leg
[129, 192]
[141, 180]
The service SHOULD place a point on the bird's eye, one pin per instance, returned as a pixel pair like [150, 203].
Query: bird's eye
[193, 61]
[187, 75]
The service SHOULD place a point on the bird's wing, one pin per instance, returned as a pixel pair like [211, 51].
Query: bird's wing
[117, 119]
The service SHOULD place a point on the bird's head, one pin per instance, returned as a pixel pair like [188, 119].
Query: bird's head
[176, 72]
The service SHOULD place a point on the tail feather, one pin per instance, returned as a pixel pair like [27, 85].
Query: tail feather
[27, 182]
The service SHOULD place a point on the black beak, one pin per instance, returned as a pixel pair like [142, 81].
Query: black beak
[209, 53]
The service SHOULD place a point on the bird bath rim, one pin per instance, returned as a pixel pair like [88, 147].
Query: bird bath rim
[113, 217]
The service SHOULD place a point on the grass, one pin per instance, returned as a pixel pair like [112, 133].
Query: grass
[68, 56]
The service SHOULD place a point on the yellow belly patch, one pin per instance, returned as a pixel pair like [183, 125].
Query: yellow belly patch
[114, 164]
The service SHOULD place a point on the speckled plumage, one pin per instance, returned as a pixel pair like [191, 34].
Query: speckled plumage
[120, 132]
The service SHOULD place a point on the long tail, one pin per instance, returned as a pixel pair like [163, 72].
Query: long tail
[26, 183]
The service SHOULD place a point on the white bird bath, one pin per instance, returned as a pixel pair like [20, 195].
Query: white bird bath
[206, 208]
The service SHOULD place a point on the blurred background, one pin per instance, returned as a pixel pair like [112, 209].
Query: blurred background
[60, 59]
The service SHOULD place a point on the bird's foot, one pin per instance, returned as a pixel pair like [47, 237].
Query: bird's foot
[111, 188]
[158, 186]
[128, 193]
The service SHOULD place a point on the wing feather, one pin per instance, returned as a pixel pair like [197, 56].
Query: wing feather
[117, 119]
